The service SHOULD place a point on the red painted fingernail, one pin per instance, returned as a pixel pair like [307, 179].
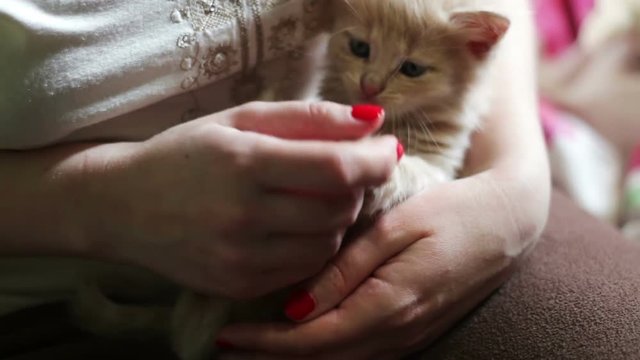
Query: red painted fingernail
[300, 305]
[224, 345]
[400, 150]
[367, 113]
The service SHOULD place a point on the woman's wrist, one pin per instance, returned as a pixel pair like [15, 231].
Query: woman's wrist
[42, 212]
[524, 189]
[95, 183]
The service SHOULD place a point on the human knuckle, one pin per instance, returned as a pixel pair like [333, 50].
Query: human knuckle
[383, 227]
[406, 309]
[318, 110]
[382, 173]
[388, 170]
[335, 242]
[351, 215]
[341, 219]
[337, 278]
[252, 108]
[339, 169]
[244, 158]
[326, 247]
[237, 219]
[405, 317]
[343, 216]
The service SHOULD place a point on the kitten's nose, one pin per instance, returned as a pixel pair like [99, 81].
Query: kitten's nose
[370, 88]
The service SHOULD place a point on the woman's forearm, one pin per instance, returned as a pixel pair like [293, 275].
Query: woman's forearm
[509, 149]
[39, 214]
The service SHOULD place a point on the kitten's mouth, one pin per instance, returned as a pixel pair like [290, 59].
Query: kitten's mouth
[369, 100]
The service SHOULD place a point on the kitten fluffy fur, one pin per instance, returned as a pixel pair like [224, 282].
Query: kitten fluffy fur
[433, 113]
[427, 63]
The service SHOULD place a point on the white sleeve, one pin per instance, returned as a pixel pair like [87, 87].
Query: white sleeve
[68, 64]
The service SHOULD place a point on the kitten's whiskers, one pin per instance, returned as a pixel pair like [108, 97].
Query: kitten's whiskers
[423, 122]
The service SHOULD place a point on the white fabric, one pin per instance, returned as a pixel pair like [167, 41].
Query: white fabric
[68, 64]
[124, 69]
[587, 167]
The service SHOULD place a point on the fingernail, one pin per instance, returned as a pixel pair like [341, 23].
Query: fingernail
[366, 113]
[399, 150]
[300, 305]
[224, 345]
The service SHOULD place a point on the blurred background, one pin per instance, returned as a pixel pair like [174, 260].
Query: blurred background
[589, 79]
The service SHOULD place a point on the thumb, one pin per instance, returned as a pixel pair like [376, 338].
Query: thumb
[298, 120]
[351, 267]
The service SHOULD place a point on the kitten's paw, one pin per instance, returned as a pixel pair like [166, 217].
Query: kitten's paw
[196, 320]
[412, 176]
[387, 196]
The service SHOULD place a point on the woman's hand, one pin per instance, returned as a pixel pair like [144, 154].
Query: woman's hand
[433, 258]
[216, 206]
[225, 210]
[396, 288]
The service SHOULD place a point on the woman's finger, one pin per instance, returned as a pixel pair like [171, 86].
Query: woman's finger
[354, 264]
[308, 120]
[298, 214]
[359, 351]
[339, 328]
[335, 329]
[324, 167]
[293, 258]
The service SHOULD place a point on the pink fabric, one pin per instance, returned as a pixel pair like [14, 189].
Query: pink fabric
[559, 22]
[554, 123]
[635, 159]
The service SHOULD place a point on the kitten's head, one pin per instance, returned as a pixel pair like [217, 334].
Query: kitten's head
[406, 55]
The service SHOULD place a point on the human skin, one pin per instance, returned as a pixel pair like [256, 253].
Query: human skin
[429, 261]
[218, 204]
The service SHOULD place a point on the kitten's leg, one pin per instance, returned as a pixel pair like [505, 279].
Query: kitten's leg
[196, 321]
[412, 175]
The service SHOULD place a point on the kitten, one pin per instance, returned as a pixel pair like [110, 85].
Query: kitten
[425, 64]
[425, 67]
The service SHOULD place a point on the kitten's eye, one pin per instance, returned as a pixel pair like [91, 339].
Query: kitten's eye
[413, 70]
[360, 48]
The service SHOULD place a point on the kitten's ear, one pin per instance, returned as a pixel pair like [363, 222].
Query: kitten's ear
[484, 29]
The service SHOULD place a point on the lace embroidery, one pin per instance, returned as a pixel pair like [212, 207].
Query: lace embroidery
[208, 14]
[283, 35]
[210, 53]
[312, 23]
[218, 61]
[202, 62]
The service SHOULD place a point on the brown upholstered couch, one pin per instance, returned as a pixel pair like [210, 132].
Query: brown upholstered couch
[576, 296]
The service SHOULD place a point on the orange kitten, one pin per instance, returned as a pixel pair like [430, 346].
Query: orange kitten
[424, 64]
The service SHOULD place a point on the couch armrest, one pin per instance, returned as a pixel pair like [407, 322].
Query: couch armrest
[575, 296]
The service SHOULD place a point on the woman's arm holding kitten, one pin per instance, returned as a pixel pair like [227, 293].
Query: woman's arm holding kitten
[509, 150]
